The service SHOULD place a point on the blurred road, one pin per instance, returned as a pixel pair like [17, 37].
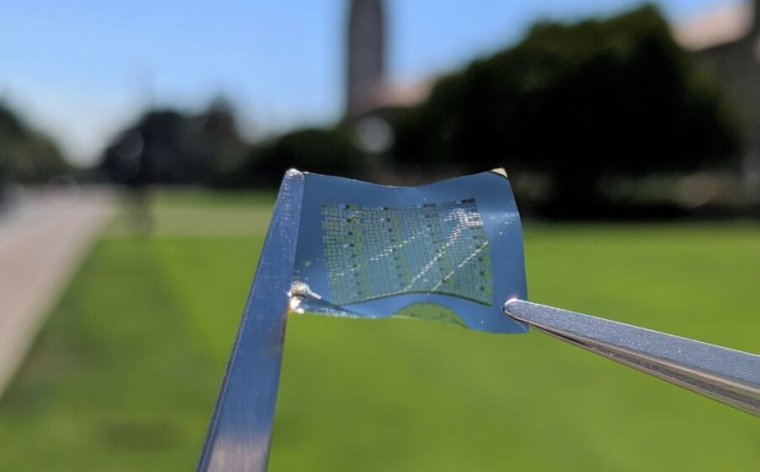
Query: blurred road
[44, 235]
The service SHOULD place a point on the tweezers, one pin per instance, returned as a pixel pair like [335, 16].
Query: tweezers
[726, 375]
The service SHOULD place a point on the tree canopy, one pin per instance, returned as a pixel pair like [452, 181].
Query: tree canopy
[171, 147]
[26, 155]
[576, 102]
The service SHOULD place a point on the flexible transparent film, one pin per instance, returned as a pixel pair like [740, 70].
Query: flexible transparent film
[451, 251]
[376, 252]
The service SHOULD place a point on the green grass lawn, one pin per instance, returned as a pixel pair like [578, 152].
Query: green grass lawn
[125, 374]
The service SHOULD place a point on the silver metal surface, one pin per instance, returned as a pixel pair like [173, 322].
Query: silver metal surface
[241, 427]
[725, 375]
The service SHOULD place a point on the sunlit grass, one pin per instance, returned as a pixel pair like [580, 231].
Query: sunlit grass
[126, 372]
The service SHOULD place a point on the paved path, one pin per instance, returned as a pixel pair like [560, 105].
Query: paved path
[43, 239]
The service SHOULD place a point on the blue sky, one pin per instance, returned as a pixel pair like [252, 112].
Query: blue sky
[81, 70]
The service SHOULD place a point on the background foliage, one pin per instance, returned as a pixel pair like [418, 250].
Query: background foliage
[571, 103]
[576, 103]
[26, 155]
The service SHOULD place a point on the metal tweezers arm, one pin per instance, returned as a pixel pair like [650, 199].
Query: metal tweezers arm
[725, 375]
[241, 426]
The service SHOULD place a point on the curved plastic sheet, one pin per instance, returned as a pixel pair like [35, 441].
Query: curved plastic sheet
[451, 251]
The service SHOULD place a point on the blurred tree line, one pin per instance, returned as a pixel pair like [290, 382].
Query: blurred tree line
[26, 155]
[171, 147]
[577, 103]
[572, 103]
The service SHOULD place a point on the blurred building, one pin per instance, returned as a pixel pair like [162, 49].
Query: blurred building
[365, 69]
[367, 86]
[728, 40]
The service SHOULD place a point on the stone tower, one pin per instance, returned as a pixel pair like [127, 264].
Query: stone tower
[365, 68]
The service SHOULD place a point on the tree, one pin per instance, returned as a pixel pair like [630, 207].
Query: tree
[27, 155]
[217, 138]
[171, 147]
[576, 103]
